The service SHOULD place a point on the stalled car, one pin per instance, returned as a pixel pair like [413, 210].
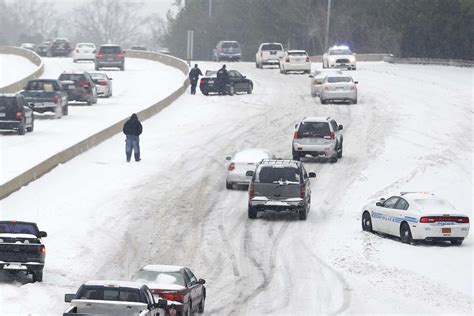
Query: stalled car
[42, 50]
[318, 77]
[227, 50]
[15, 114]
[296, 61]
[339, 88]
[79, 86]
[46, 95]
[242, 162]
[416, 216]
[84, 51]
[110, 55]
[103, 83]
[237, 83]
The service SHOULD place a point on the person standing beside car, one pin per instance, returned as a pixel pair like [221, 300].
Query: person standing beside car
[222, 79]
[132, 129]
[194, 77]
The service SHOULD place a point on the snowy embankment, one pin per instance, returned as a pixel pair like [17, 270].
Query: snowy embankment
[143, 83]
[14, 68]
[412, 129]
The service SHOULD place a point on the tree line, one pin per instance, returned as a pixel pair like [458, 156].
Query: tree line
[405, 28]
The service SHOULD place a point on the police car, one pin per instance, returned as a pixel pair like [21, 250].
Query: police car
[414, 216]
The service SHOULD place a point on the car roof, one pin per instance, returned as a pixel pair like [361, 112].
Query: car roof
[418, 196]
[109, 45]
[162, 268]
[88, 43]
[75, 72]
[296, 51]
[316, 119]
[279, 162]
[114, 283]
[228, 42]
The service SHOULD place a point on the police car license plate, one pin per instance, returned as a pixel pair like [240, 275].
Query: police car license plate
[446, 230]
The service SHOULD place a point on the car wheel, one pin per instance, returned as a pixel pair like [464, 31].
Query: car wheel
[252, 212]
[205, 93]
[333, 159]
[90, 100]
[296, 156]
[38, 276]
[32, 127]
[231, 90]
[201, 306]
[229, 185]
[354, 68]
[22, 129]
[188, 310]
[354, 101]
[249, 90]
[256, 65]
[260, 66]
[405, 233]
[97, 67]
[366, 222]
[324, 101]
[65, 110]
[303, 213]
[122, 68]
[74, 61]
[457, 242]
[339, 152]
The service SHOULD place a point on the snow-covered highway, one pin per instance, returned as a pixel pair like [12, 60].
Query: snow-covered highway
[105, 218]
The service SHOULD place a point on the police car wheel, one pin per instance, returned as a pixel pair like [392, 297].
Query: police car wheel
[405, 234]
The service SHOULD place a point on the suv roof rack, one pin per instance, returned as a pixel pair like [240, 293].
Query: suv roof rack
[279, 161]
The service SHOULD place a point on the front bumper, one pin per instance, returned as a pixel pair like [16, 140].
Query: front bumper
[342, 65]
[339, 95]
[428, 232]
[263, 203]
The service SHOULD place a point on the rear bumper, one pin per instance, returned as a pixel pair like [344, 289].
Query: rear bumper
[229, 56]
[435, 232]
[84, 57]
[339, 95]
[101, 90]
[263, 203]
[18, 266]
[44, 107]
[297, 67]
[77, 96]
[238, 179]
[271, 61]
[315, 150]
[9, 125]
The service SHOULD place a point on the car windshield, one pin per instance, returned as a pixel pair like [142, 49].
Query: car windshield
[159, 277]
[297, 54]
[210, 72]
[110, 49]
[109, 294]
[314, 130]
[18, 228]
[340, 52]
[72, 77]
[98, 76]
[338, 79]
[277, 174]
[230, 45]
[434, 204]
[272, 47]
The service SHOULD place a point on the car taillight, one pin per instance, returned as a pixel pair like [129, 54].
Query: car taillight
[331, 135]
[295, 135]
[307, 59]
[84, 84]
[434, 219]
[287, 59]
[99, 54]
[103, 83]
[231, 166]
[251, 191]
[326, 88]
[302, 191]
[43, 250]
[202, 82]
[120, 54]
[56, 99]
[19, 115]
[77, 51]
[173, 296]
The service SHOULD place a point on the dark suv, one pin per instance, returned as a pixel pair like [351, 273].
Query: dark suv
[227, 50]
[15, 114]
[280, 185]
[110, 55]
[79, 87]
[60, 47]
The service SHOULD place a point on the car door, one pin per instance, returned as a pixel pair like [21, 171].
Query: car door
[234, 79]
[26, 109]
[195, 288]
[400, 212]
[337, 132]
[389, 220]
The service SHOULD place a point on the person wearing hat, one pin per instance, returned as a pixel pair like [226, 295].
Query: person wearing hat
[194, 77]
[132, 130]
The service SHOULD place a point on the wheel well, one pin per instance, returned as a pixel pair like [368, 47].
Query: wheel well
[401, 224]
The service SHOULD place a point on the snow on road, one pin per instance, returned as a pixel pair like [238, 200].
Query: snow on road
[105, 218]
[14, 68]
[143, 83]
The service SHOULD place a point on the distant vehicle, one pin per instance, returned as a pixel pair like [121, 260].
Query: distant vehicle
[103, 84]
[42, 50]
[84, 51]
[280, 185]
[339, 57]
[269, 54]
[143, 48]
[237, 83]
[318, 136]
[227, 50]
[416, 216]
[15, 114]
[114, 298]
[318, 77]
[295, 60]
[339, 88]
[60, 47]
[110, 55]
[242, 162]
[175, 283]
[79, 87]
[22, 248]
[46, 95]
[29, 46]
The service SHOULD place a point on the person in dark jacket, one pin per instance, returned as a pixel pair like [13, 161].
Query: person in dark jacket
[222, 79]
[194, 77]
[132, 129]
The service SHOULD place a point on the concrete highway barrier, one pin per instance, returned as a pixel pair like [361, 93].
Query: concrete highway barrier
[430, 61]
[28, 54]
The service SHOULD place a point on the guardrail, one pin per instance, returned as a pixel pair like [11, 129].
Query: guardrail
[93, 140]
[429, 61]
[28, 54]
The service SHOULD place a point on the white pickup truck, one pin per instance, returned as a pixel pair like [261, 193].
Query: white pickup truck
[114, 298]
[269, 54]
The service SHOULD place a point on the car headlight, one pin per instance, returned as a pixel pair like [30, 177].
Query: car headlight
[352, 59]
[332, 60]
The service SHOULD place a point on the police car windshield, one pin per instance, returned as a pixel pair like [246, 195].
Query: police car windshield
[340, 52]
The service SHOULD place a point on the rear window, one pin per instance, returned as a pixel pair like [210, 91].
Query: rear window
[18, 228]
[230, 45]
[98, 76]
[297, 53]
[159, 277]
[338, 79]
[272, 47]
[109, 294]
[9, 104]
[434, 204]
[72, 77]
[277, 174]
[48, 86]
[314, 130]
[110, 49]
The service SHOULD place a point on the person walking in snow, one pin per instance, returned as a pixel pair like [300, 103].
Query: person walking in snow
[194, 77]
[222, 79]
[132, 129]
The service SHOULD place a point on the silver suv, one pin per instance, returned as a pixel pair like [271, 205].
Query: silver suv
[280, 185]
[110, 55]
[317, 136]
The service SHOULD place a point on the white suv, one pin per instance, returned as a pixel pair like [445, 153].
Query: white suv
[84, 51]
[317, 136]
[340, 57]
[269, 54]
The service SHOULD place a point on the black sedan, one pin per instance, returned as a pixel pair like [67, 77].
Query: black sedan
[237, 83]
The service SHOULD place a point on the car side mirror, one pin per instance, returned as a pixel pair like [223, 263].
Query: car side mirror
[43, 234]
[161, 303]
[356, 82]
[296, 126]
[244, 77]
[379, 204]
[228, 158]
[202, 281]
[249, 173]
[341, 127]
[312, 174]
[311, 76]
[69, 297]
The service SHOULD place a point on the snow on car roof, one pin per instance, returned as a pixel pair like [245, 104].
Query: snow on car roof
[316, 119]
[296, 51]
[162, 268]
[114, 283]
[251, 155]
